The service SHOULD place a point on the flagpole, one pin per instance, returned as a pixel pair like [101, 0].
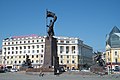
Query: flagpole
[46, 21]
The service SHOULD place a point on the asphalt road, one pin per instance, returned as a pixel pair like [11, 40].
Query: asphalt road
[24, 76]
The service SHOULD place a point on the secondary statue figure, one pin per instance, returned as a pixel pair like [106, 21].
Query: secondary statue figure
[51, 24]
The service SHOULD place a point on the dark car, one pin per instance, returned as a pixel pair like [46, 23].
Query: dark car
[61, 69]
[2, 71]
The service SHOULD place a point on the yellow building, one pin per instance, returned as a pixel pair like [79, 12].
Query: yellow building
[113, 49]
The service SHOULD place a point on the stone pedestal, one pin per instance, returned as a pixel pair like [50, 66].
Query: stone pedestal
[51, 59]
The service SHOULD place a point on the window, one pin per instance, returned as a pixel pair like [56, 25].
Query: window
[32, 61]
[24, 41]
[36, 61]
[11, 62]
[41, 46]
[67, 56]
[61, 49]
[73, 57]
[37, 40]
[7, 57]
[67, 61]
[20, 47]
[15, 62]
[61, 61]
[28, 41]
[73, 61]
[24, 51]
[32, 56]
[67, 68]
[42, 50]
[19, 56]
[33, 46]
[12, 48]
[28, 51]
[67, 41]
[16, 48]
[73, 41]
[41, 61]
[8, 52]
[4, 43]
[11, 57]
[108, 53]
[61, 41]
[4, 49]
[67, 49]
[23, 56]
[37, 46]
[20, 42]
[37, 51]
[108, 59]
[20, 52]
[42, 40]
[33, 41]
[8, 42]
[16, 42]
[41, 55]
[33, 51]
[8, 48]
[5, 53]
[19, 61]
[28, 47]
[61, 56]
[12, 52]
[116, 60]
[36, 56]
[73, 49]
[24, 47]
[16, 52]
[73, 68]
[115, 52]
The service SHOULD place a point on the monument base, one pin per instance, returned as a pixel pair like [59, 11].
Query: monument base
[39, 70]
[51, 60]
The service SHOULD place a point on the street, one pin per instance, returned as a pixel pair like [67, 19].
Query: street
[24, 76]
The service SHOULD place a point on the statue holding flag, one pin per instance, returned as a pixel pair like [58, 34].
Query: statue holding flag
[51, 24]
[51, 59]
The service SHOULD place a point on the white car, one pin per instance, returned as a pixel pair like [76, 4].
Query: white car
[13, 70]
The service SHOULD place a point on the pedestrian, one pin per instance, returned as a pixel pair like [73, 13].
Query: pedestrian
[41, 74]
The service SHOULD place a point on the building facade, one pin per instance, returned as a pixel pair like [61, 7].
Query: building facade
[72, 52]
[113, 49]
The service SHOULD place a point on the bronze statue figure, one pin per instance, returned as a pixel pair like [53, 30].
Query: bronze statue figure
[51, 24]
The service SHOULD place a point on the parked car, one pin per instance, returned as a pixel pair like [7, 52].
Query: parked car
[2, 71]
[13, 70]
[61, 69]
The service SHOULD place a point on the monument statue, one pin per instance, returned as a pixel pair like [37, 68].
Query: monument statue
[98, 59]
[27, 63]
[51, 60]
[51, 24]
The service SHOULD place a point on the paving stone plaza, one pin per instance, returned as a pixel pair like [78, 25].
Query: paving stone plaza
[65, 76]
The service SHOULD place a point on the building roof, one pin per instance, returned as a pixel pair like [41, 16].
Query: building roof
[114, 30]
[111, 39]
[118, 34]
